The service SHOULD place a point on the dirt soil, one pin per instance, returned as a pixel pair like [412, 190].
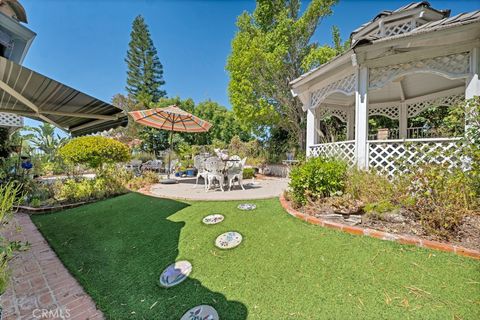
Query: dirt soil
[401, 222]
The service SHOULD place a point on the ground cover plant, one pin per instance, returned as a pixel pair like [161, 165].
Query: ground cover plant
[284, 268]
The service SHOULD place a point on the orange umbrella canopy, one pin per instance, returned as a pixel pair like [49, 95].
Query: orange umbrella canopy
[171, 118]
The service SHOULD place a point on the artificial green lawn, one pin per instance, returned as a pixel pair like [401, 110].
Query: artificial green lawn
[284, 268]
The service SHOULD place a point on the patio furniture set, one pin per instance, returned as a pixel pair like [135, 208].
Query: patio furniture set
[219, 170]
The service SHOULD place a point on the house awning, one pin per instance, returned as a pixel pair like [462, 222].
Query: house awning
[28, 93]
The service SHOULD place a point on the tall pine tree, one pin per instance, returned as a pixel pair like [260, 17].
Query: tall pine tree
[145, 72]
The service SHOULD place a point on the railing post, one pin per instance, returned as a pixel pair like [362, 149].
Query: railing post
[351, 123]
[403, 121]
[361, 119]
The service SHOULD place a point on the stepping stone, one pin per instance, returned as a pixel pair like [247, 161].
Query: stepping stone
[247, 206]
[213, 219]
[203, 312]
[175, 273]
[228, 240]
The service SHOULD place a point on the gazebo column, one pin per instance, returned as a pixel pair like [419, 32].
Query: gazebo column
[311, 129]
[361, 118]
[472, 87]
[351, 123]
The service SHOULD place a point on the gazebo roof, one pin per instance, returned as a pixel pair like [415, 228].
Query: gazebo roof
[17, 9]
[442, 23]
[450, 22]
[406, 8]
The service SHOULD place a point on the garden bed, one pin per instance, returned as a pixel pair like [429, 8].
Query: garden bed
[398, 221]
[59, 207]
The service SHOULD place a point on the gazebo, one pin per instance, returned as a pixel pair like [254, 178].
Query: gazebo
[400, 64]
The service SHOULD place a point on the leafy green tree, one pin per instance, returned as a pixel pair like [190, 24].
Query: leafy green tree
[271, 48]
[145, 72]
[45, 139]
[318, 55]
[224, 124]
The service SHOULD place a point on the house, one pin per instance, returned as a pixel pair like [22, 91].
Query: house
[24, 92]
[399, 64]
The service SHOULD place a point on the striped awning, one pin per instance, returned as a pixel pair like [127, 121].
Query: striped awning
[170, 118]
[28, 93]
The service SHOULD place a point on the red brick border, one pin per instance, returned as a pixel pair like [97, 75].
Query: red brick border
[380, 234]
[40, 282]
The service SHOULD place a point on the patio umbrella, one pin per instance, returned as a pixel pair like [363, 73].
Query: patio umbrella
[173, 119]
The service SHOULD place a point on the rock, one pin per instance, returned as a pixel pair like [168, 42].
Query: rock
[394, 217]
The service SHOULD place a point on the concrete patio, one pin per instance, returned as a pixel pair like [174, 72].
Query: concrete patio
[263, 188]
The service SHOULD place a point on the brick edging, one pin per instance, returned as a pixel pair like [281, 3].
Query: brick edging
[380, 234]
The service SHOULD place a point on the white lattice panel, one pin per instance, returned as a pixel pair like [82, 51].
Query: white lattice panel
[339, 112]
[345, 85]
[417, 107]
[390, 111]
[454, 65]
[387, 157]
[10, 120]
[396, 29]
[344, 150]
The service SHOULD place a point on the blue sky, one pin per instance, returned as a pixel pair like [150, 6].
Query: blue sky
[83, 43]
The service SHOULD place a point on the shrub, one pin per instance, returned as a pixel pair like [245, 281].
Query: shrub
[248, 173]
[375, 191]
[379, 207]
[147, 178]
[439, 197]
[73, 191]
[317, 178]
[94, 151]
[110, 182]
[143, 156]
[9, 197]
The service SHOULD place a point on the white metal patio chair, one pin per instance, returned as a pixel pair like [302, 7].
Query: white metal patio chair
[199, 164]
[214, 168]
[235, 172]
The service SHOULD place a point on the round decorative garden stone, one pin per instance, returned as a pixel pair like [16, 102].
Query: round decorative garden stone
[247, 206]
[175, 273]
[203, 312]
[228, 240]
[213, 219]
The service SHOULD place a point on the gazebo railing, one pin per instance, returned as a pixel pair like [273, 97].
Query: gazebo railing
[413, 133]
[392, 156]
[343, 150]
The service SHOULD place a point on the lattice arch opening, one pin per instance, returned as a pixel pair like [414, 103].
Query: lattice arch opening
[345, 85]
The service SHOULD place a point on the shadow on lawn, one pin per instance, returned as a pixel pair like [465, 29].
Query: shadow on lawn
[118, 248]
[191, 292]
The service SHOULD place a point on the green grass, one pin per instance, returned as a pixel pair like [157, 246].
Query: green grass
[284, 269]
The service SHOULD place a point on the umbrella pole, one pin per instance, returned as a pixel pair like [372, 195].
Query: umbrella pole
[170, 156]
